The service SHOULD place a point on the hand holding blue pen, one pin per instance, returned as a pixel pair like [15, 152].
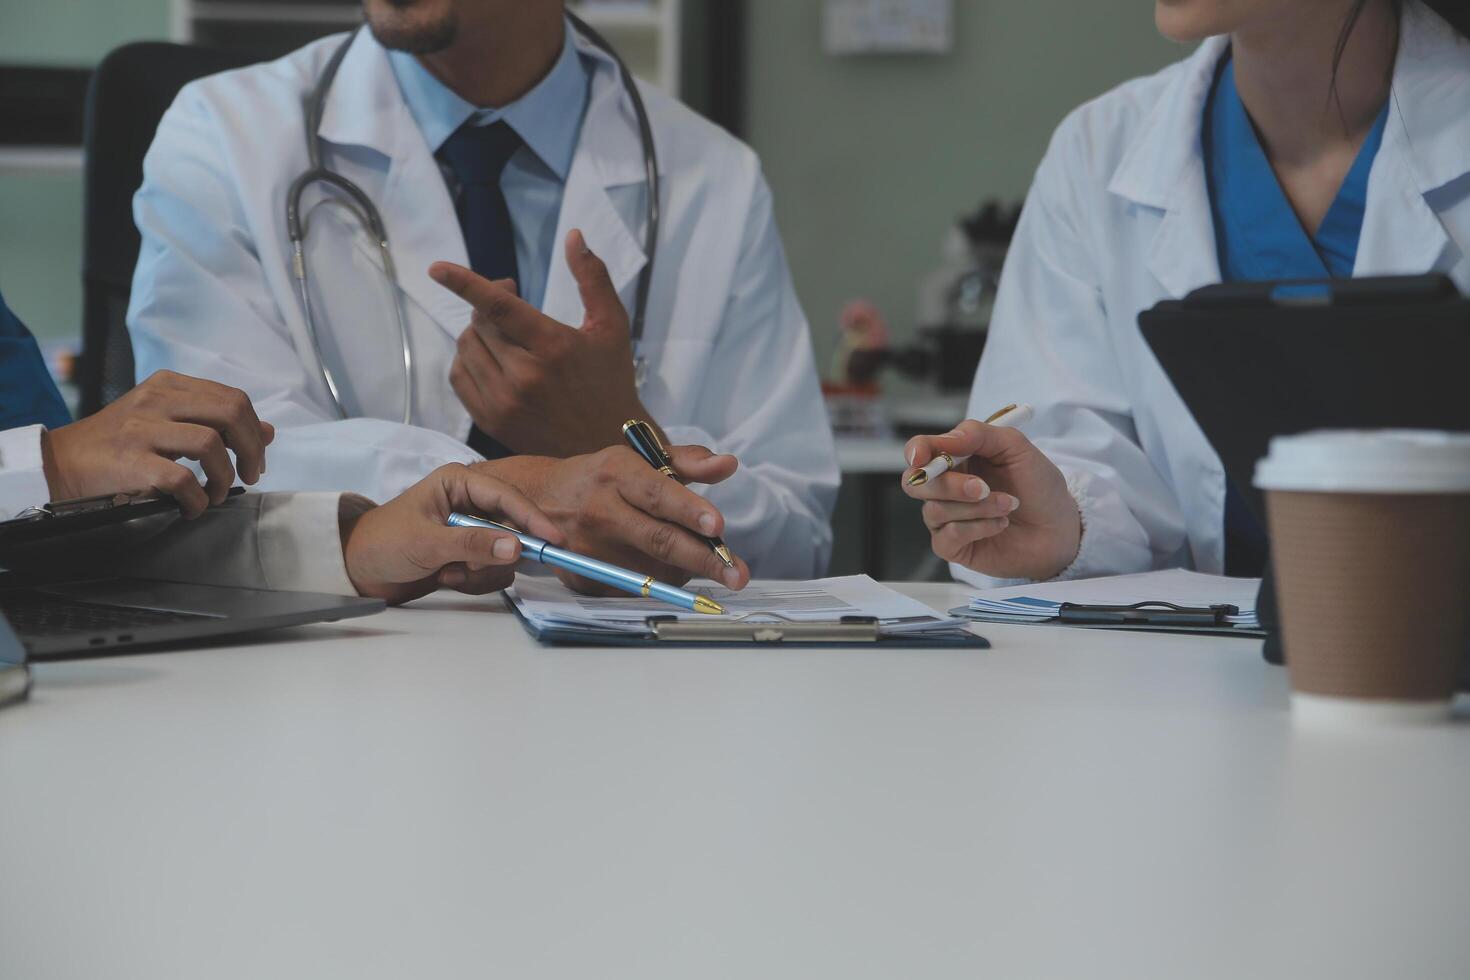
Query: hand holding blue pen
[634, 583]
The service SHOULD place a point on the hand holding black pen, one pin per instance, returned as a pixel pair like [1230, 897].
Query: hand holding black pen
[645, 442]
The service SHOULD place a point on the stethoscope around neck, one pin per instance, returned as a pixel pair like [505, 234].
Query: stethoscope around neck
[356, 200]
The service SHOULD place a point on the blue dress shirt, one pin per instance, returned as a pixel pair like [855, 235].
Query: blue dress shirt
[1258, 237]
[549, 121]
[28, 396]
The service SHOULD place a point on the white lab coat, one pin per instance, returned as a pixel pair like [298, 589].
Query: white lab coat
[730, 363]
[1118, 218]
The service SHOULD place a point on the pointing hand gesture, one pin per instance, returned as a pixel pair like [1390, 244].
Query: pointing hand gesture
[539, 386]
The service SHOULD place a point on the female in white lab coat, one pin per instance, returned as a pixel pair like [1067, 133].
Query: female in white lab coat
[1302, 139]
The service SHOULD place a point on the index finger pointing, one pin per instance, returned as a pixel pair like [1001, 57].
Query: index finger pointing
[469, 286]
[515, 319]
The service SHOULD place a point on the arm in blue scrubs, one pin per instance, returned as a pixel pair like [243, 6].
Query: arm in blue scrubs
[28, 401]
[28, 396]
[1259, 238]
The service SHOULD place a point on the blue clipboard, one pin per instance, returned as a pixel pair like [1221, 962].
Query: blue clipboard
[670, 631]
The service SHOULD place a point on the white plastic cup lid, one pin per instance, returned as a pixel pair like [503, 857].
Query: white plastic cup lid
[1368, 461]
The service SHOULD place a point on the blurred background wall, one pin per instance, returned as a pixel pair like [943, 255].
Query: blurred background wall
[41, 212]
[872, 157]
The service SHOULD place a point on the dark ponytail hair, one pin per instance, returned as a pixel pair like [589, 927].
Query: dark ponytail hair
[1455, 12]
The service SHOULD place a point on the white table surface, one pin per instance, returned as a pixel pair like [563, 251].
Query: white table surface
[427, 794]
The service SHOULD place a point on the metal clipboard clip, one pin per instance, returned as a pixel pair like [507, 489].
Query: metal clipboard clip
[1147, 614]
[86, 505]
[772, 628]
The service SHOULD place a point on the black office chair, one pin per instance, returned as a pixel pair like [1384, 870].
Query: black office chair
[130, 91]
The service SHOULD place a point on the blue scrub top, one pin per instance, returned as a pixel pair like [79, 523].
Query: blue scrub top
[1259, 237]
[1257, 234]
[27, 394]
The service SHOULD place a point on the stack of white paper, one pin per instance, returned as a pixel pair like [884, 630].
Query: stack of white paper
[1041, 602]
[546, 603]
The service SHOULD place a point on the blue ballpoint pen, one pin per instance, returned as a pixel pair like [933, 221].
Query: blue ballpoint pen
[536, 549]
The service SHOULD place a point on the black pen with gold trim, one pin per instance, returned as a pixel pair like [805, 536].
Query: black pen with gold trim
[645, 442]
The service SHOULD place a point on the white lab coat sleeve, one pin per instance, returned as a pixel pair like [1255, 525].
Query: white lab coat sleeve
[22, 478]
[764, 405]
[284, 542]
[1049, 346]
[201, 305]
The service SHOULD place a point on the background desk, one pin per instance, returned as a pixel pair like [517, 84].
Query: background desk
[425, 794]
[879, 530]
[870, 472]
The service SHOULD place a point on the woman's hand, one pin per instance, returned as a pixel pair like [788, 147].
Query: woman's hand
[405, 549]
[1004, 512]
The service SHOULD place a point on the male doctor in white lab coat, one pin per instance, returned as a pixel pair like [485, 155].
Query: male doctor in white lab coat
[728, 358]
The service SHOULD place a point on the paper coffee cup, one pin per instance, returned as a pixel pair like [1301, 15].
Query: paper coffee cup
[1370, 539]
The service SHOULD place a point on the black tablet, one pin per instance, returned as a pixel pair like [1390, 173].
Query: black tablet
[1257, 360]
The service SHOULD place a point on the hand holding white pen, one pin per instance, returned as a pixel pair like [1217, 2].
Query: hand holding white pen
[993, 501]
[1014, 416]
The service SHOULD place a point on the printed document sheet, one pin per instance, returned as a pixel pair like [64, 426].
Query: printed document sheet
[546, 602]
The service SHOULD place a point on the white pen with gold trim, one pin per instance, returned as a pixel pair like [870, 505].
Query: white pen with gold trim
[1011, 417]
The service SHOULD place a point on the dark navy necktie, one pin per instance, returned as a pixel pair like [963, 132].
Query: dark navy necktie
[478, 155]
